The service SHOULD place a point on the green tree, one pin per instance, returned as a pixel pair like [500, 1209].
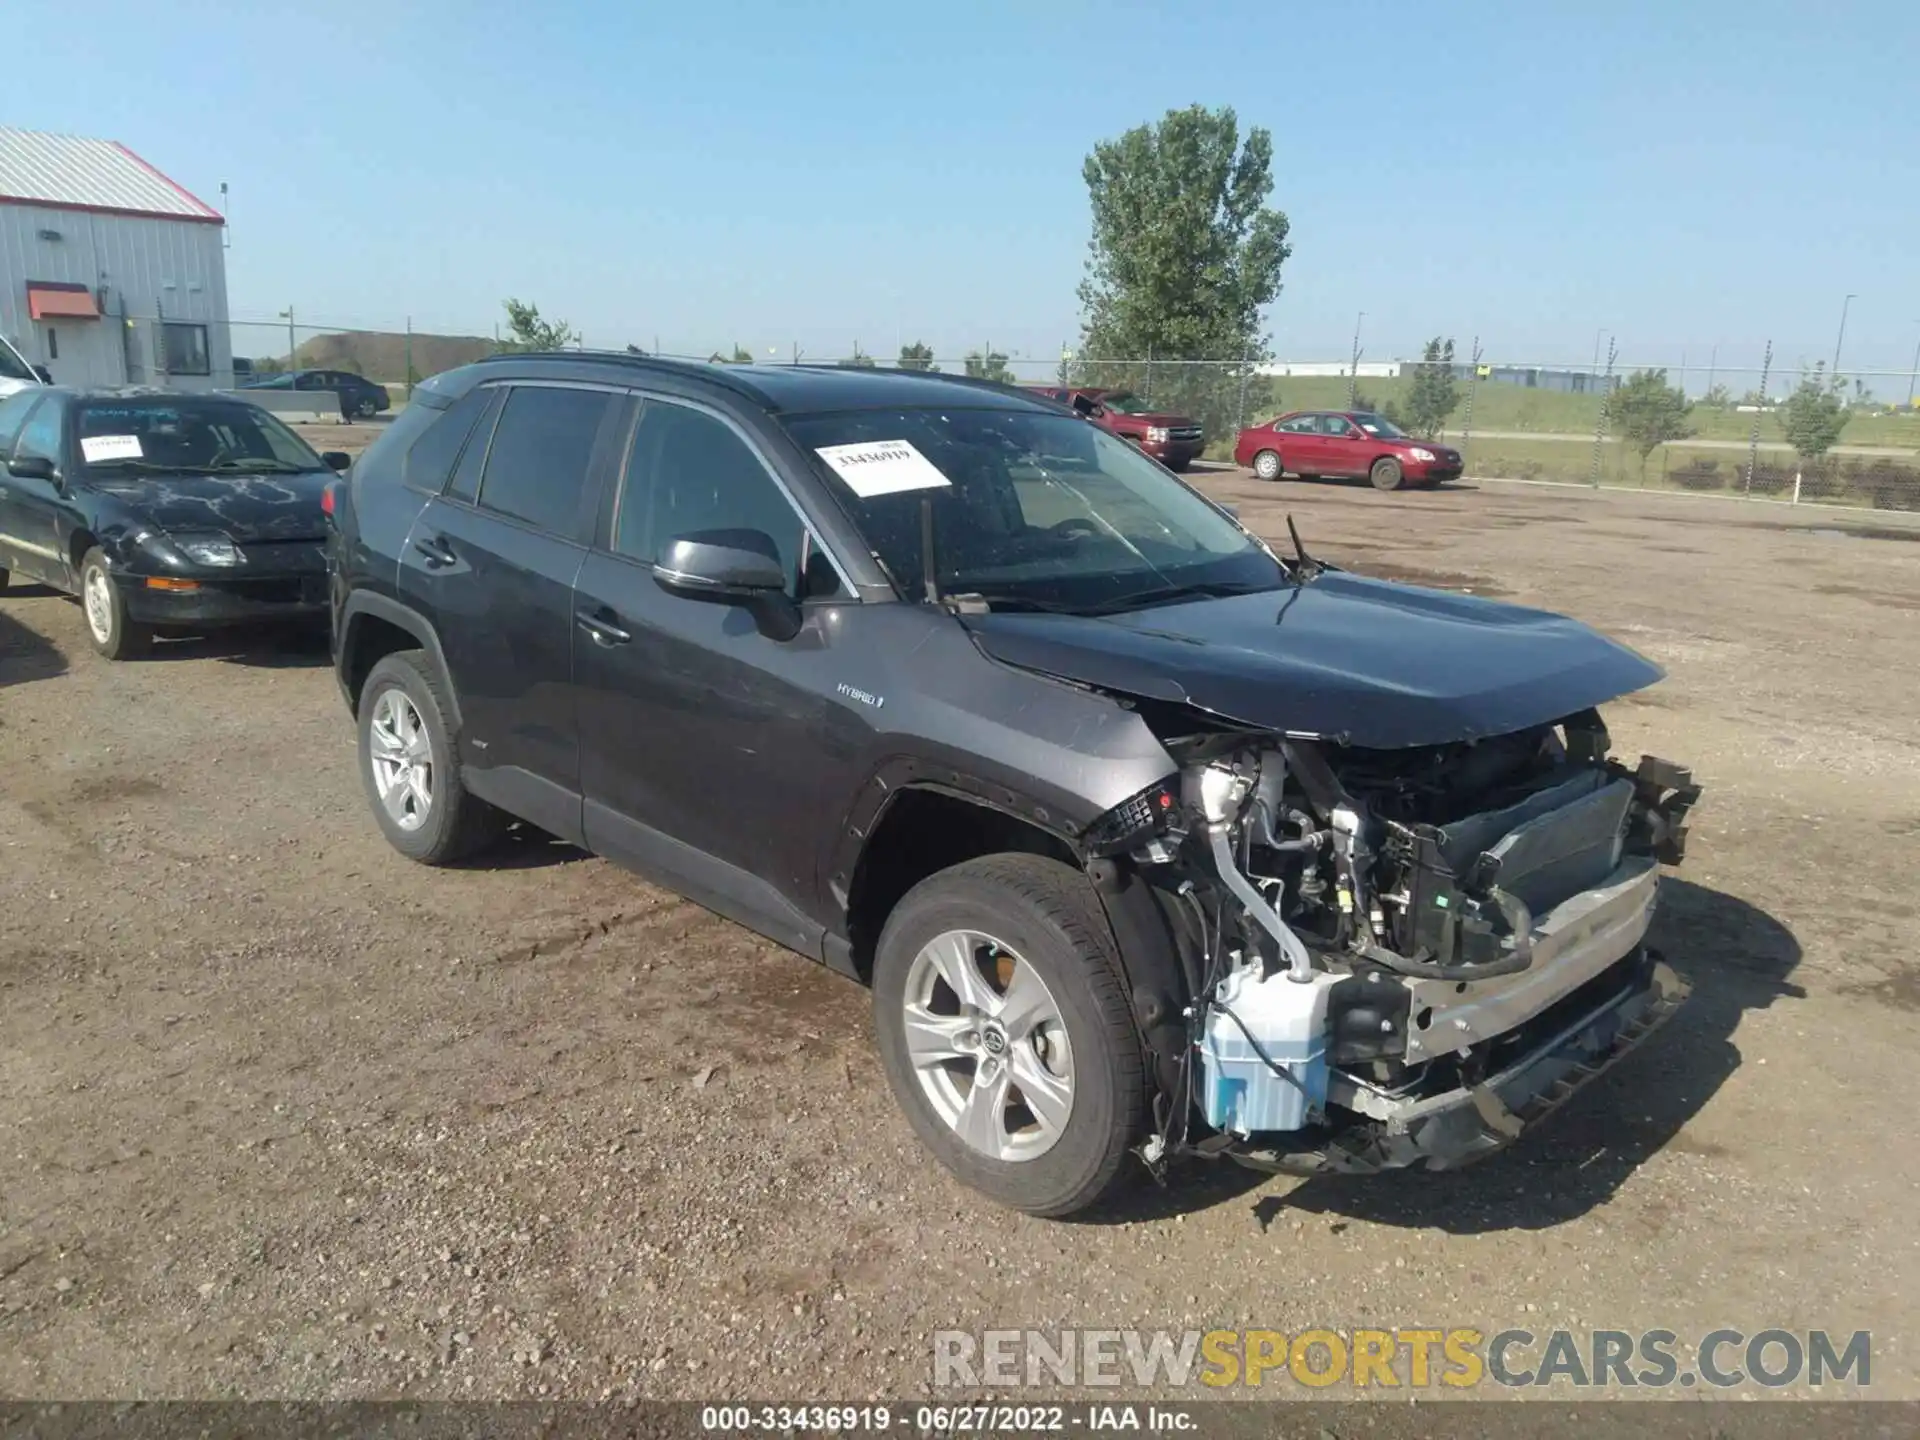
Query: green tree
[1649, 412]
[1814, 414]
[988, 364]
[1184, 255]
[1432, 393]
[527, 331]
[859, 360]
[917, 356]
[267, 365]
[1718, 397]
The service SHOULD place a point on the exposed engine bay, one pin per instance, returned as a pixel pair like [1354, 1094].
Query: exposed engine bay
[1399, 957]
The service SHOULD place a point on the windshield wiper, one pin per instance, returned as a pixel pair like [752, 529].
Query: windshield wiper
[1166, 594]
[267, 466]
[151, 467]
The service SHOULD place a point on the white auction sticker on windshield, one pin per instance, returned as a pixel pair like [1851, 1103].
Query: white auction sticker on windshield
[883, 467]
[95, 448]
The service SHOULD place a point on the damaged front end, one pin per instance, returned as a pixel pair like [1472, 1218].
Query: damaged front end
[1396, 957]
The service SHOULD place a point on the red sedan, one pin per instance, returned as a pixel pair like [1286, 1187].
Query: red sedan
[1347, 443]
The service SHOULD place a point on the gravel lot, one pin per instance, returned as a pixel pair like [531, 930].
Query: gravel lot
[282, 1115]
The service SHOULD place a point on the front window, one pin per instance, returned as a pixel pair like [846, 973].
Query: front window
[1030, 511]
[1379, 427]
[184, 349]
[1125, 402]
[167, 435]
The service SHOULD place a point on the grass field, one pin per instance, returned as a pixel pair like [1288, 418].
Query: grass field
[1514, 407]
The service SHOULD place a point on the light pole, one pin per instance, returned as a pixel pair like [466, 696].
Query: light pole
[1839, 339]
[292, 344]
[1353, 370]
[1914, 371]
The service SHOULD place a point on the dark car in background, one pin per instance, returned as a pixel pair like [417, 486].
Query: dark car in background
[359, 397]
[1349, 444]
[161, 511]
[1146, 839]
[1173, 439]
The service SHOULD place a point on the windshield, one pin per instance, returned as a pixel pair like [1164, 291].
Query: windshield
[12, 366]
[1125, 402]
[1029, 510]
[1380, 427]
[170, 434]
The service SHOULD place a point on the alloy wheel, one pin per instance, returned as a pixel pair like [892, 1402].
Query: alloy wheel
[97, 597]
[988, 1045]
[402, 759]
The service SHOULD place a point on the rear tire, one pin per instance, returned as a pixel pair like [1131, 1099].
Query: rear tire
[110, 630]
[409, 765]
[1267, 465]
[1046, 1016]
[1386, 474]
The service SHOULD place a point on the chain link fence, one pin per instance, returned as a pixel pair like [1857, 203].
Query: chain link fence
[1544, 421]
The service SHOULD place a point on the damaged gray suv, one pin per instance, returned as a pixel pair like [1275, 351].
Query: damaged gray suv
[1149, 841]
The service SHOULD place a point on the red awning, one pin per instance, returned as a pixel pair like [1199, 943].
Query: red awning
[47, 300]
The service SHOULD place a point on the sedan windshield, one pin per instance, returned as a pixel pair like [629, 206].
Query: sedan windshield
[1380, 427]
[171, 434]
[1030, 511]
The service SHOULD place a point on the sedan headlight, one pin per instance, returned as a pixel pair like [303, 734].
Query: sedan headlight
[1157, 434]
[208, 549]
[1419, 453]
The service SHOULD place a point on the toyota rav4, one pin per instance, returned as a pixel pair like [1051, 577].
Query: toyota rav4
[1147, 839]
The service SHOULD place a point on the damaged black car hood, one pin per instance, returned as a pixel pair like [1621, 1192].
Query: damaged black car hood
[1363, 662]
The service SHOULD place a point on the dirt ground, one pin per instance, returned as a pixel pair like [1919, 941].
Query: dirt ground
[282, 1115]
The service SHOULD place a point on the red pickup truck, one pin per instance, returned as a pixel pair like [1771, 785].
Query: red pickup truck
[1174, 440]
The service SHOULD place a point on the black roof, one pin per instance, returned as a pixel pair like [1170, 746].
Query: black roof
[795, 389]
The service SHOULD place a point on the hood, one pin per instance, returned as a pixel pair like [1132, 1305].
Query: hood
[244, 507]
[1362, 662]
[1172, 422]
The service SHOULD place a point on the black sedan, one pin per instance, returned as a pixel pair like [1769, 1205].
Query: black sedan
[162, 511]
[358, 397]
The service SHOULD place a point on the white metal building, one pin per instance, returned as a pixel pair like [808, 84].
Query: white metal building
[110, 273]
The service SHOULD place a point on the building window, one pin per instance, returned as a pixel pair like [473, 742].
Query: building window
[184, 349]
[53, 343]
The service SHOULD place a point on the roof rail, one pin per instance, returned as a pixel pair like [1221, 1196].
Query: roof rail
[704, 370]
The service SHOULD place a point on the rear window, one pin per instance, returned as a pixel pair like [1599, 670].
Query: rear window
[537, 465]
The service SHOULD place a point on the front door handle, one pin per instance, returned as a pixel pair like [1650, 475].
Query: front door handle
[437, 553]
[601, 627]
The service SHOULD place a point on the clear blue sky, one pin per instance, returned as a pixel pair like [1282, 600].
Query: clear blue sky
[1683, 175]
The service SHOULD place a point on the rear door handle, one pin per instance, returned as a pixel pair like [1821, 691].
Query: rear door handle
[601, 628]
[436, 551]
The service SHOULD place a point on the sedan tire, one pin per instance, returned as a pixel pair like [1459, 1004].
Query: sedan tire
[110, 630]
[1005, 1031]
[409, 766]
[1267, 465]
[1386, 474]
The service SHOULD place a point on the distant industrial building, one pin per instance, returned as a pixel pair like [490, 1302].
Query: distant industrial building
[1531, 377]
[110, 273]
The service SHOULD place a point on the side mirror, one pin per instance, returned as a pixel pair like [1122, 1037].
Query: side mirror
[732, 567]
[33, 467]
[336, 459]
[46, 375]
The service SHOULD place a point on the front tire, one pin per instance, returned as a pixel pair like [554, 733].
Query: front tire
[1267, 465]
[1005, 1031]
[409, 765]
[1386, 474]
[110, 630]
